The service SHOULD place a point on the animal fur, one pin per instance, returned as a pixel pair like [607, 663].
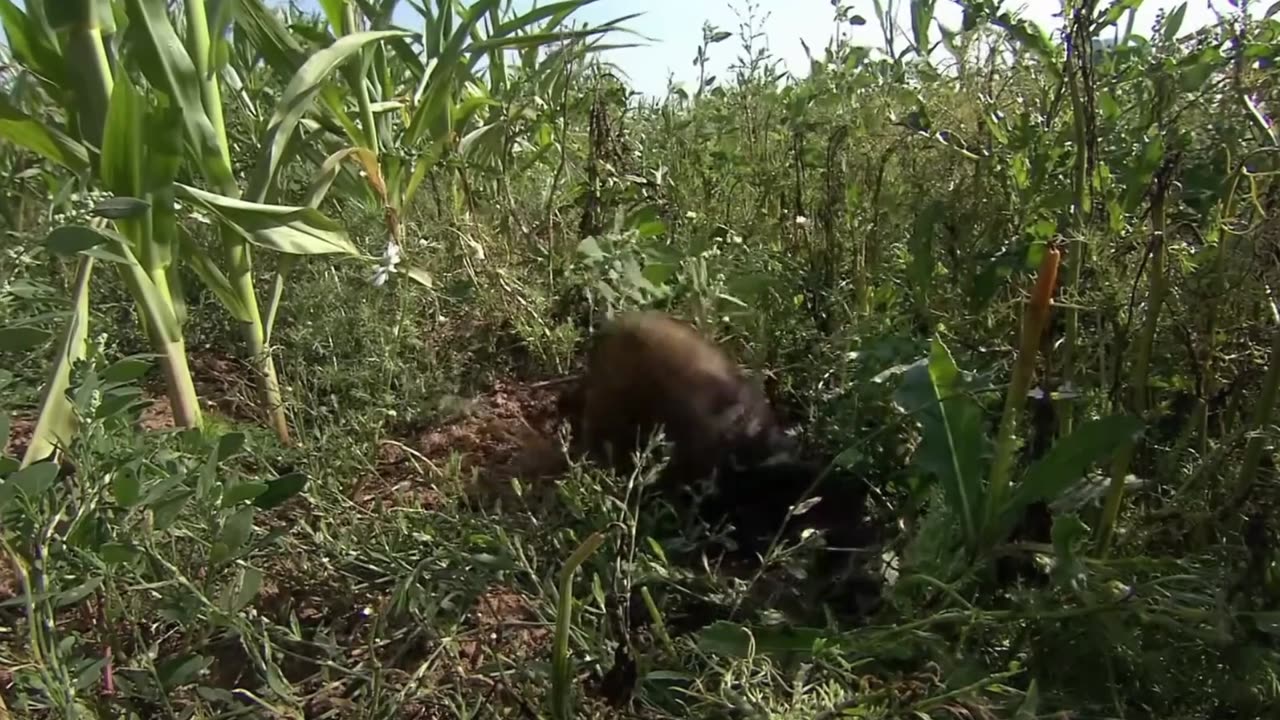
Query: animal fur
[647, 371]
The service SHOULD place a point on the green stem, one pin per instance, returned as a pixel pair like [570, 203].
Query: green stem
[1262, 412]
[237, 251]
[184, 402]
[1157, 289]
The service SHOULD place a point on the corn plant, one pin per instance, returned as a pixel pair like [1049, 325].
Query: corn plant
[141, 110]
[415, 108]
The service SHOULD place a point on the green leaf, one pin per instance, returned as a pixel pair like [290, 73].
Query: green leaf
[297, 97]
[181, 670]
[77, 593]
[126, 488]
[280, 490]
[229, 445]
[433, 113]
[72, 239]
[167, 510]
[24, 131]
[921, 17]
[121, 208]
[247, 589]
[22, 338]
[1173, 22]
[57, 419]
[286, 229]
[1106, 18]
[175, 74]
[418, 275]
[196, 258]
[235, 533]
[33, 44]
[127, 369]
[34, 480]
[327, 174]
[119, 554]
[242, 492]
[1032, 38]
[1068, 460]
[120, 167]
[954, 444]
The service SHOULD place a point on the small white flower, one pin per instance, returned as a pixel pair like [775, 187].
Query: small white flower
[802, 220]
[380, 276]
[390, 258]
[691, 214]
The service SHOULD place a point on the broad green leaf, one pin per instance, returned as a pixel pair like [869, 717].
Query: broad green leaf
[954, 444]
[1068, 460]
[22, 338]
[286, 229]
[121, 208]
[268, 35]
[126, 488]
[328, 172]
[220, 14]
[176, 75]
[24, 131]
[242, 492]
[280, 490]
[433, 112]
[1108, 16]
[167, 510]
[418, 275]
[72, 239]
[1173, 22]
[33, 45]
[230, 445]
[1030, 36]
[118, 553]
[78, 593]
[297, 97]
[475, 140]
[127, 369]
[34, 480]
[248, 587]
[235, 532]
[122, 144]
[56, 423]
[921, 17]
[182, 670]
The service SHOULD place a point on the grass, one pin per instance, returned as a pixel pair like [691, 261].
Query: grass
[865, 240]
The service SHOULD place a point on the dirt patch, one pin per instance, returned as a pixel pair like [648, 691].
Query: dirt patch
[21, 428]
[509, 432]
[505, 628]
[223, 383]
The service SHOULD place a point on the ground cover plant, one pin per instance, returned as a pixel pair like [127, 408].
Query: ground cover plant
[289, 298]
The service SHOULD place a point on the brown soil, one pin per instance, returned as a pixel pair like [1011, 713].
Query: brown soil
[509, 433]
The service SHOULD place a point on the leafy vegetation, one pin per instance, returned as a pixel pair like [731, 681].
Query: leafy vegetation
[1020, 285]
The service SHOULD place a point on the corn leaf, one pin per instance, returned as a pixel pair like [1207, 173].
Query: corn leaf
[25, 131]
[286, 229]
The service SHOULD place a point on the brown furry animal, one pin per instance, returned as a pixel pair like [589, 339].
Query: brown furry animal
[647, 370]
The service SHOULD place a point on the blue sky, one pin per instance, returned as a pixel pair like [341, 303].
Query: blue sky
[676, 26]
[676, 29]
